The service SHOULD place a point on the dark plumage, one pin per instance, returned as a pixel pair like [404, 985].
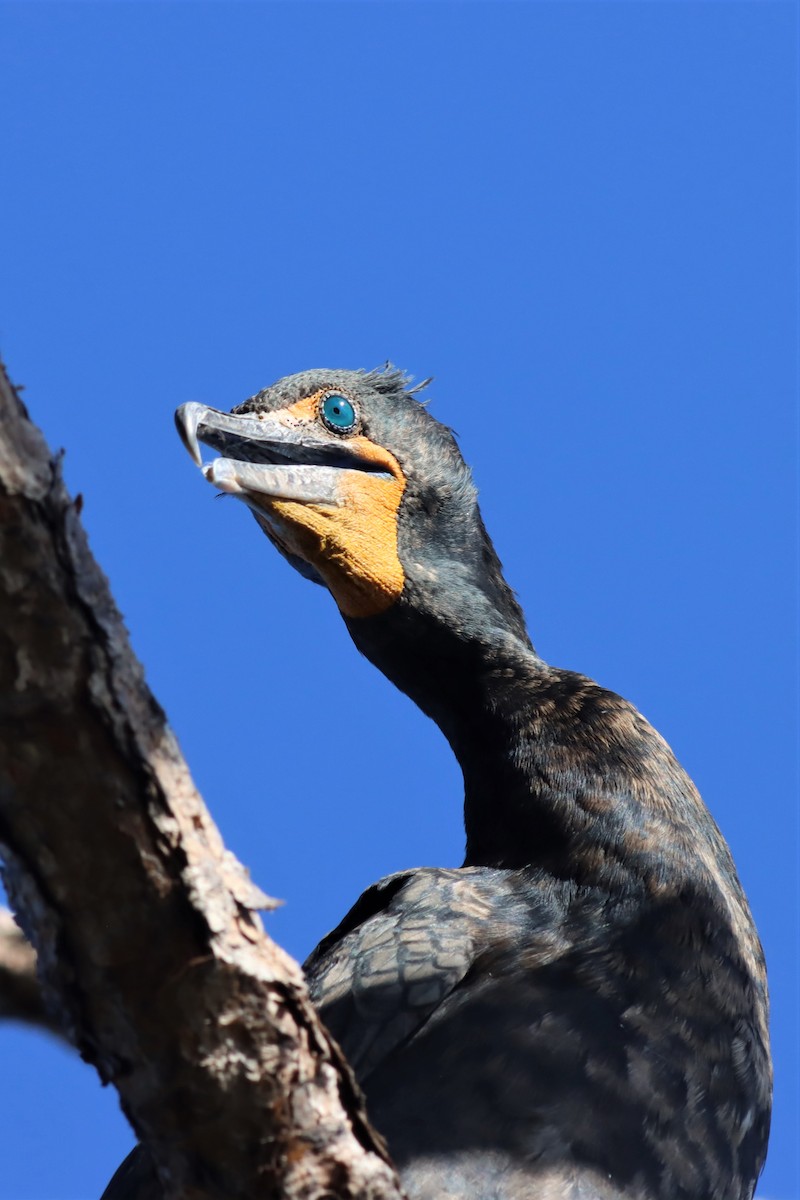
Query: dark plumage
[579, 1011]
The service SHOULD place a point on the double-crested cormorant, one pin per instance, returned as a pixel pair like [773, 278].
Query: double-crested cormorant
[580, 1010]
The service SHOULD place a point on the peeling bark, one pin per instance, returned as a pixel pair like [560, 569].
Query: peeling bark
[152, 956]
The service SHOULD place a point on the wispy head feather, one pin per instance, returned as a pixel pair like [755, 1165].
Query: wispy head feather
[389, 380]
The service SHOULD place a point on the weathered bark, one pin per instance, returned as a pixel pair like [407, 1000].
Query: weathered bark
[20, 994]
[152, 955]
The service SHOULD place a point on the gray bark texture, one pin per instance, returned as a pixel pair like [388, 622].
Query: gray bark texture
[152, 957]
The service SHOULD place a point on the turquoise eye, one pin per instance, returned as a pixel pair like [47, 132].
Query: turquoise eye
[338, 414]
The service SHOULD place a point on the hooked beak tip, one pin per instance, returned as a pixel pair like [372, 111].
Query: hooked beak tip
[187, 418]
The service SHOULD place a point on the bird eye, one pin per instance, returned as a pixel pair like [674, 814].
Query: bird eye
[338, 414]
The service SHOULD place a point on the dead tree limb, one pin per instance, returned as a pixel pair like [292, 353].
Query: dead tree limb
[151, 953]
[20, 994]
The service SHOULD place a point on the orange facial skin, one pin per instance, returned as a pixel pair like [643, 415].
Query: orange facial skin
[352, 545]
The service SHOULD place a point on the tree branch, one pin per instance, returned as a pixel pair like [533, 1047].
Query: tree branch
[20, 995]
[151, 952]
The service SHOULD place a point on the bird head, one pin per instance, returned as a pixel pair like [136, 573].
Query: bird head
[362, 490]
[353, 480]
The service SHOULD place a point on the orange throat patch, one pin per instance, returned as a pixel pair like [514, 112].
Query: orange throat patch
[352, 546]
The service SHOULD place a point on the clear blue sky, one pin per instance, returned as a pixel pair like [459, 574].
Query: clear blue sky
[581, 219]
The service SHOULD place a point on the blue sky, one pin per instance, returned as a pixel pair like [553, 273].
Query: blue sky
[580, 218]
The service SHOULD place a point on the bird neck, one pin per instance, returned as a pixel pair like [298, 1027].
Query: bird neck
[559, 774]
[475, 673]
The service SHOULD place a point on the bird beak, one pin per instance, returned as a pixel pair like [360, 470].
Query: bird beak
[269, 455]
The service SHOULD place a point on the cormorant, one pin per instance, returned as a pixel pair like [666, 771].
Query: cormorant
[580, 1011]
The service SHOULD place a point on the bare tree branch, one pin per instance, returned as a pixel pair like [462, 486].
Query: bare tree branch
[20, 994]
[151, 952]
